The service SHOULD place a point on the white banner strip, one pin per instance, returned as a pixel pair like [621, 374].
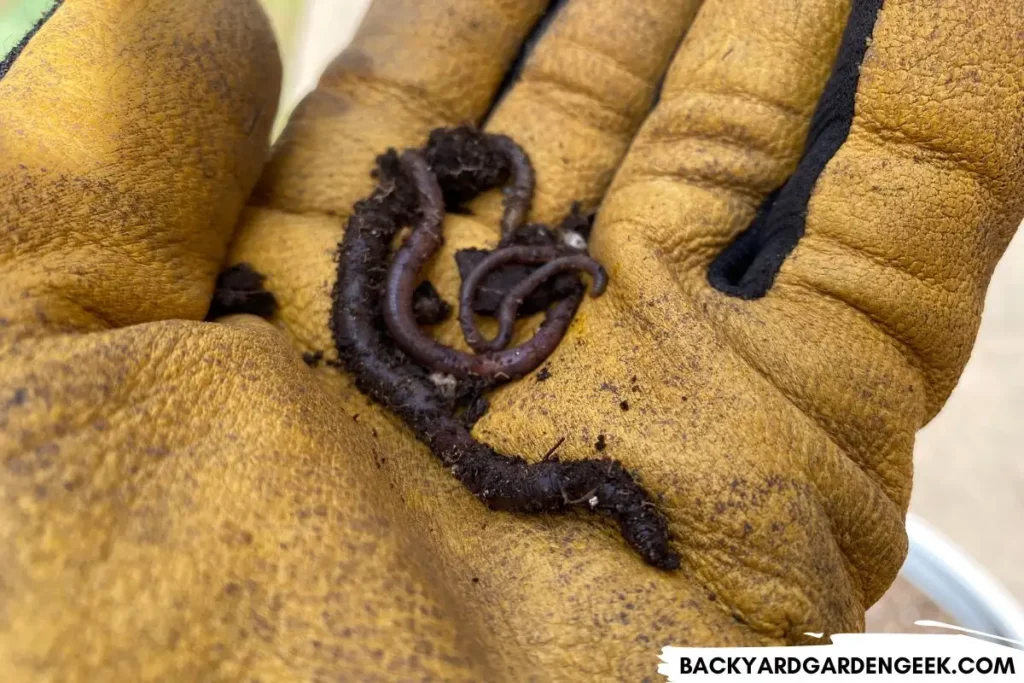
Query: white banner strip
[853, 657]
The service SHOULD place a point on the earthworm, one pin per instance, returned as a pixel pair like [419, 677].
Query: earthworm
[556, 260]
[518, 194]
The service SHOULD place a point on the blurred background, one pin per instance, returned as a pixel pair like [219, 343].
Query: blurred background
[969, 481]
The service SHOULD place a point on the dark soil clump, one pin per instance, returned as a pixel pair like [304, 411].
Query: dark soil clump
[239, 289]
[428, 306]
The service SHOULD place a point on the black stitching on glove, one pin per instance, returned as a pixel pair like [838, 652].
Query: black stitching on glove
[747, 268]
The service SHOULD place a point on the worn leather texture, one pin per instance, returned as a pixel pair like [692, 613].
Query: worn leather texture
[186, 500]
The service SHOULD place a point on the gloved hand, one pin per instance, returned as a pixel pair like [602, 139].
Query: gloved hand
[185, 500]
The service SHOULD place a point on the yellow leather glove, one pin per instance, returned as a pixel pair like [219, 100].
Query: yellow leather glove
[184, 500]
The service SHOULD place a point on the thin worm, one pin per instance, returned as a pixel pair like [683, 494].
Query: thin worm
[421, 244]
[556, 260]
[519, 192]
[509, 309]
[472, 282]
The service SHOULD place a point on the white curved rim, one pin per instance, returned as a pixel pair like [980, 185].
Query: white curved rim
[958, 584]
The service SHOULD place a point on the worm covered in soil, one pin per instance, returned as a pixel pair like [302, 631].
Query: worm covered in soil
[392, 360]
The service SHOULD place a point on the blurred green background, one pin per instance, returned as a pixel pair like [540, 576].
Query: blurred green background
[18, 16]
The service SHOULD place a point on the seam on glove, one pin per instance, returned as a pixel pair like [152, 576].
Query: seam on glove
[946, 286]
[695, 92]
[747, 268]
[746, 146]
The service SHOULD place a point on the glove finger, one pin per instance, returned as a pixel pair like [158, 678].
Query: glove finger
[120, 180]
[699, 169]
[412, 66]
[880, 254]
[582, 93]
[909, 217]
[729, 127]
